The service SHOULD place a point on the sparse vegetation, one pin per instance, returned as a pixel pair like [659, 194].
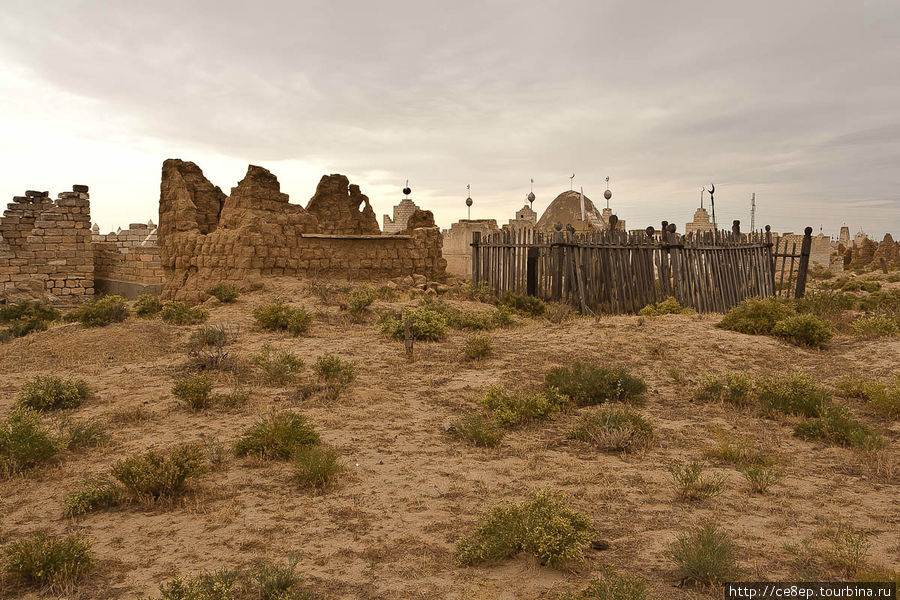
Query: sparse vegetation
[669, 306]
[477, 347]
[616, 428]
[194, 391]
[49, 392]
[278, 316]
[757, 316]
[542, 526]
[733, 388]
[93, 494]
[612, 585]
[25, 317]
[705, 555]
[516, 408]
[207, 347]
[278, 435]
[44, 560]
[278, 366]
[587, 384]
[160, 474]
[224, 292]
[100, 311]
[265, 581]
[425, 323]
[761, 477]
[737, 450]
[876, 326]
[25, 442]
[794, 394]
[528, 306]
[181, 313]
[836, 425]
[691, 484]
[315, 466]
[147, 305]
[882, 398]
[804, 330]
[558, 312]
[477, 429]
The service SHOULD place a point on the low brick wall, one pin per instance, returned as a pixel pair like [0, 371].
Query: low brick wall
[129, 271]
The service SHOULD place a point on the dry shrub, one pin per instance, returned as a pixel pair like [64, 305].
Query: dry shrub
[587, 384]
[99, 312]
[279, 366]
[613, 428]
[45, 560]
[669, 306]
[264, 581]
[93, 494]
[761, 477]
[542, 526]
[733, 388]
[49, 392]
[836, 425]
[793, 394]
[477, 347]
[180, 313]
[705, 555]
[147, 305]
[517, 408]
[160, 474]
[756, 316]
[611, 585]
[25, 317]
[804, 330]
[25, 442]
[478, 430]
[194, 391]
[278, 435]
[316, 467]
[691, 484]
[278, 316]
[224, 292]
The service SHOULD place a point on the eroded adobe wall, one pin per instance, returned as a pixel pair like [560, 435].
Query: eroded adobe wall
[45, 247]
[260, 234]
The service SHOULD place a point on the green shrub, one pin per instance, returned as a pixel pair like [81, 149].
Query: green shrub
[610, 585]
[794, 394]
[316, 467]
[513, 408]
[836, 425]
[477, 347]
[207, 347]
[224, 292]
[264, 581]
[804, 330]
[180, 313]
[155, 474]
[100, 311]
[825, 303]
[48, 392]
[48, 560]
[194, 391]
[818, 271]
[733, 388]
[883, 399]
[74, 436]
[279, 366]
[278, 435]
[278, 316]
[757, 316]
[691, 484]
[761, 477]
[876, 326]
[542, 526]
[616, 428]
[24, 441]
[479, 293]
[147, 305]
[477, 320]
[705, 555]
[528, 306]
[25, 317]
[209, 335]
[669, 306]
[93, 494]
[737, 450]
[359, 299]
[856, 285]
[334, 374]
[478, 430]
[588, 384]
[425, 323]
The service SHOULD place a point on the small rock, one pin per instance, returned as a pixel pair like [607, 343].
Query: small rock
[600, 545]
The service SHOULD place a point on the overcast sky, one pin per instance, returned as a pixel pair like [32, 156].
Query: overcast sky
[798, 101]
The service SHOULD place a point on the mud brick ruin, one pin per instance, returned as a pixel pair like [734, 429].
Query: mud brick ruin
[45, 247]
[206, 237]
[127, 262]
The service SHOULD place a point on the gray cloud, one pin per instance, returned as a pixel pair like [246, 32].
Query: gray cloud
[795, 101]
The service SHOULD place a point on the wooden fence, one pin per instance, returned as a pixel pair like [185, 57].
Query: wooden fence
[621, 272]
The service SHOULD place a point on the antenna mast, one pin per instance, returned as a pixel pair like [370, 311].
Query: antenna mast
[753, 212]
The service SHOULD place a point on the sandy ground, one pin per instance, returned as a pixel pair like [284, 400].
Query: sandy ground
[389, 527]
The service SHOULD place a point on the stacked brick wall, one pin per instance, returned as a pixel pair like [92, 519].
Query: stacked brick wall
[45, 247]
[258, 233]
[137, 235]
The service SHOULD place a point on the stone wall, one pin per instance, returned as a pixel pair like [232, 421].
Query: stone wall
[45, 247]
[258, 233]
[129, 271]
[402, 213]
[457, 244]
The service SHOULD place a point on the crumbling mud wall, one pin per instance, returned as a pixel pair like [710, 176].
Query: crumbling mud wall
[257, 233]
[45, 248]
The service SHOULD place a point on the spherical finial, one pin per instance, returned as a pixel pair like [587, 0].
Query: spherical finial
[406, 191]
[607, 194]
[530, 196]
[808, 231]
[469, 201]
[650, 231]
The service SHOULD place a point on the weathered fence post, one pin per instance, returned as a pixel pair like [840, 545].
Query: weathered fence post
[476, 257]
[531, 271]
[804, 263]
